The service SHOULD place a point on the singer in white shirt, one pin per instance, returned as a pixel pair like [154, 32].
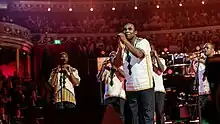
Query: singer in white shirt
[159, 67]
[114, 85]
[134, 55]
[63, 79]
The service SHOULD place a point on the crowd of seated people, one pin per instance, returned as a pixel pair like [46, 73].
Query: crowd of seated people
[101, 46]
[81, 46]
[96, 46]
[109, 22]
[20, 101]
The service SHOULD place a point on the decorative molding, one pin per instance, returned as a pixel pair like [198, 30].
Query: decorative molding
[98, 5]
[15, 36]
[64, 6]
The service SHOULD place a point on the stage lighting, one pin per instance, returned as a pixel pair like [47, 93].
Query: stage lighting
[158, 6]
[49, 9]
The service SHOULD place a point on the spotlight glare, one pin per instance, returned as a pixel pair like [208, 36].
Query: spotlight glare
[48, 9]
[113, 8]
[135, 7]
[203, 2]
[70, 9]
[91, 9]
[180, 4]
[158, 6]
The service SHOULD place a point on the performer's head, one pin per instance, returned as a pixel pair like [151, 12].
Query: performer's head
[209, 49]
[152, 50]
[63, 58]
[112, 56]
[218, 52]
[130, 31]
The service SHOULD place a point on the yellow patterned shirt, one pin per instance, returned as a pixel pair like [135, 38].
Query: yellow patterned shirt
[67, 92]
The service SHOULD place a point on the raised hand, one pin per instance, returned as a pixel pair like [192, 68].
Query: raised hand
[122, 37]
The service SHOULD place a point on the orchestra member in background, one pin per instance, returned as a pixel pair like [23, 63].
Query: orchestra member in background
[114, 86]
[134, 55]
[218, 52]
[203, 88]
[159, 67]
[63, 79]
[212, 73]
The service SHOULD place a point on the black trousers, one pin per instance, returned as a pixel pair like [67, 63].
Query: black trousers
[159, 107]
[65, 113]
[212, 118]
[142, 104]
[118, 105]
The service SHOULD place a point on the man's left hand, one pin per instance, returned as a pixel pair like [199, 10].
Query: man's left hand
[122, 37]
[66, 70]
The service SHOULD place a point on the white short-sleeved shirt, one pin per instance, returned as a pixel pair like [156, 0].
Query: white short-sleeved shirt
[141, 77]
[115, 90]
[204, 87]
[158, 78]
[67, 92]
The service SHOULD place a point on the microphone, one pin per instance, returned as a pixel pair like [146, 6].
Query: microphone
[118, 36]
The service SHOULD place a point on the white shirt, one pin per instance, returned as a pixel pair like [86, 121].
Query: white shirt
[158, 78]
[141, 77]
[68, 85]
[115, 90]
[203, 85]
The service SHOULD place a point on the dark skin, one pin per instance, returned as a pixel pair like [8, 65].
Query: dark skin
[64, 67]
[127, 40]
[118, 71]
[208, 51]
[156, 59]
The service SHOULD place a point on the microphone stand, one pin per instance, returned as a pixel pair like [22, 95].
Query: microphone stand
[62, 85]
[196, 88]
[99, 76]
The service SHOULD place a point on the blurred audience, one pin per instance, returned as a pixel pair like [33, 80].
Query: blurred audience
[17, 100]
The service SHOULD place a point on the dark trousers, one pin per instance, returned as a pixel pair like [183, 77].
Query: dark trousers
[142, 105]
[64, 113]
[159, 107]
[118, 105]
[212, 118]
[205, 107]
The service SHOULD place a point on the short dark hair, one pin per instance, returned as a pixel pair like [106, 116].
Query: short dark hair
[212, 45]
[131, 24]
[63, 53]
